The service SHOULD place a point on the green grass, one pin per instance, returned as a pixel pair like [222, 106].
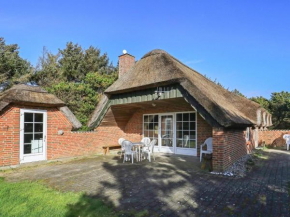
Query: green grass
[34, 199]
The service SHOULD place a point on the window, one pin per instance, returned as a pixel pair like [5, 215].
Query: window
[248, 134]
[150, 126]
[186, 130]
[33, 133]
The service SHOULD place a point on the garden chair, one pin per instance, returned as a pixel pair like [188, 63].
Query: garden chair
[208, 143]
[149, 150]
[128, 150]
[120, 141]
[287, 138]
[146, 141]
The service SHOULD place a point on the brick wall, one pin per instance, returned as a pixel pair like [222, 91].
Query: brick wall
[273, 138]
[229, 145]
[70, 144]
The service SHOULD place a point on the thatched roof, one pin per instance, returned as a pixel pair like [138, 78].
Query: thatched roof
[22, 94]
[158, 68]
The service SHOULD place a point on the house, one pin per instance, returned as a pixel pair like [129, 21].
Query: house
[157, 97]
[161, 98]
[30, 119]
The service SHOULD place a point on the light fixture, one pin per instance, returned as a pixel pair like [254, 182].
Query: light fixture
[153, 104]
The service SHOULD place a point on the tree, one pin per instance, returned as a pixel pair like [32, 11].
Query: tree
[265, 103]
[237, 92]
[280, 108]
[13, 68]
[77, 76]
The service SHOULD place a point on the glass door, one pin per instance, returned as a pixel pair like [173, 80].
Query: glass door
[166, 133]
[32, 135]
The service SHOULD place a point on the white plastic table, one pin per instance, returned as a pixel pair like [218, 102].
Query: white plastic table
[138, 145]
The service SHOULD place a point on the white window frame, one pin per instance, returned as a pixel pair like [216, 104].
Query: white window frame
[26, 158]
[174, 149]
[248, 134]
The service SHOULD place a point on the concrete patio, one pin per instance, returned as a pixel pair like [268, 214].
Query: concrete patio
[172, 185]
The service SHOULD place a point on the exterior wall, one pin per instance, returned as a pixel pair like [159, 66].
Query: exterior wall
[70, 144]
[273, 138]
[229, 145]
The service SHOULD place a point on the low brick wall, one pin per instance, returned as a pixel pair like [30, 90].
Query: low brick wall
[273, 138]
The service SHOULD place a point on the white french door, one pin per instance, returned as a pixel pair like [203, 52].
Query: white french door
[166, 133]
[33, 126]
[175, 132]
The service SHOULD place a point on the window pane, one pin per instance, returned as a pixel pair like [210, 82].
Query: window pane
[28, 117]
[192, 135]
[192, 116]
[155, 126]
[27, 149]
[156, 134]
[185, 134]
[167, 142]
[192, 125]
[38, 128]
[151, 118]
[38, 136]
[179, 134]
[178, 125]
[185, 125]
[179, 117]
[146, 133]
[156, 118]
[36, 146]
[186, 143]
[192, 144]
[28, 138]
[146, 118]
[146, 126]
[28, 128]
[185, 116]
[179, 143]
[38, 117]
[151, 133]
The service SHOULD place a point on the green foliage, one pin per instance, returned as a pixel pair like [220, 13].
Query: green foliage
[262, 101]
[34, 199]
[237, 92]
[13, 68]
[279, 107]
[76, 76]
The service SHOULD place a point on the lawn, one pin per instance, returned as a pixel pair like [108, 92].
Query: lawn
[35, 199]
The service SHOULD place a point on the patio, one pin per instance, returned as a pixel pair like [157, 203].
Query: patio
[172, 185]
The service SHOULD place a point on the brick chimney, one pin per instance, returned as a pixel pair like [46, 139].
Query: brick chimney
[126, 61]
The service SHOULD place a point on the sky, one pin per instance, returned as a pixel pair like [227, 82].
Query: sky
[241, 44]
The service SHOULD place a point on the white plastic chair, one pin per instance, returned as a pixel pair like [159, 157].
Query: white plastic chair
[208, 143]
[149, 150]
[146, 141]
[128, 150]
[120, 141]
[287, 138]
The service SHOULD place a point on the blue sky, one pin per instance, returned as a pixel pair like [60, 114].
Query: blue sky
[242, 44]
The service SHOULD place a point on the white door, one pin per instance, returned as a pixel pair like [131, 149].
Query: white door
[33, 125]
[166, 133]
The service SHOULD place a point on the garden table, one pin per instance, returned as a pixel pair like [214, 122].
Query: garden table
[138, 145]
